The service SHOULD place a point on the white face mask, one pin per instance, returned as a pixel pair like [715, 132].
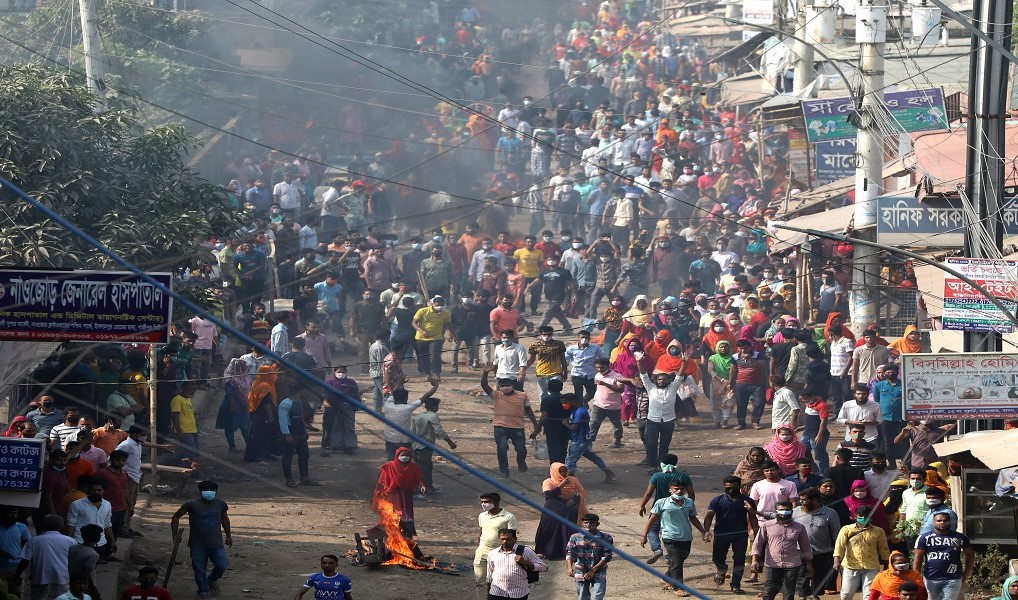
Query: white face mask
[576, 245]
[719, 328]
[403, 458]
[439, 308]
[340, 375]
[543, 338]
[901, 567]
[487, 506]
[547, 238]
[785, 438]
[583, 342]
[415, 246]
[506, 341]
[860, 495]
[933, 502]
[588, 526]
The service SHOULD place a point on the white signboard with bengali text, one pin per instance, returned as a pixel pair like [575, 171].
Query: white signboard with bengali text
[960, 386]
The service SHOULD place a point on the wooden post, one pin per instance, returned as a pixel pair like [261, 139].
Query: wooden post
[153, 371]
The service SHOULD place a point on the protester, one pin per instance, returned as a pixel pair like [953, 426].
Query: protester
[492, 519]
[508, 567]
[565, 497]
[677, 515]
[328, 584]
[733, 510]
[398, 479]
[587, 559]
[783, 546]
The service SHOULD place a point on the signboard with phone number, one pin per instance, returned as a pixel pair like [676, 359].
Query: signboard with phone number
[960, 386]
[21, 463]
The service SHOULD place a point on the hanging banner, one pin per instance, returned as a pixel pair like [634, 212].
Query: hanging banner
[758, 12]
[93, 306]
[834, 160]
[911, 111]
[798, 156]
[960, 386]
[965, 308]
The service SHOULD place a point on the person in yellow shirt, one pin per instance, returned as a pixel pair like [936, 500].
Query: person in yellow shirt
[184, 425]
[528, 263]
[431, 322]
[548, 356]
[860, 552]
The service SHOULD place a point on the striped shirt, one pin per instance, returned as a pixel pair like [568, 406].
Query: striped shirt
[507, 579]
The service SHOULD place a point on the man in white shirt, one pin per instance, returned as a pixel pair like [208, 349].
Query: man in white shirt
[205, 340]
[509, 116]
[93, 509]
[723, 256]
[132, 446]
[878, 478]
[510, 360]
[861, 411]
[47, 554]
[397, 409]
[508, 566]
[288, 193]
[492, 519]
[660, 411]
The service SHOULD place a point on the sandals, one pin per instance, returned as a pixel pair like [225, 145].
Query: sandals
[291, 483]
[719, 578]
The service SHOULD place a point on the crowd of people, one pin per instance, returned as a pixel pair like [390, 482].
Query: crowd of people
[638, 271]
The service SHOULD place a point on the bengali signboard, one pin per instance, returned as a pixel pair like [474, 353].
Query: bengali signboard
[965, 308]
[939, 222]
[798, 156]
[758, 12]
[960, 386]
[21, 463]
[834, 160]
[93, 306]
[911, 111]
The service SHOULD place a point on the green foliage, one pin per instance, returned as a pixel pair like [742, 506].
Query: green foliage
[343, 16]
[991, 566]
[126, 186]
[906, 529]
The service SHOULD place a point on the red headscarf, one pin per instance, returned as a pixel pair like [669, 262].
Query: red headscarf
[395, 475]
[656, 349]
[711, 338]
[785, 453]
[845, 331]
[677, 364]
[878, 516]
[10, 428]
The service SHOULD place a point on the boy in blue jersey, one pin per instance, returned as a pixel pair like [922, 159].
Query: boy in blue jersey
[578, 424]
[328, 585]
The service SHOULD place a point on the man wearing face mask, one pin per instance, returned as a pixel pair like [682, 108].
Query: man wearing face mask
[859, 552]
[878, 478]
[935, 501]
[467, 319]
[581, 358]
[480, 257]
[606, 253]
[46, 416]
[677, 515]
[510, 408]
[823, 526]
[732, 509]
[492, 519]
[509, 358]
[548, 356]
[437, 272]
[580, 446]
[783, 546]
[208, 522]
[587, 559]
[666, 267]
[660, 411]
[147, 589]
[430, 323]
[93, 509]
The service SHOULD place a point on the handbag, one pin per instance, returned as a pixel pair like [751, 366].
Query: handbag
[540, 448]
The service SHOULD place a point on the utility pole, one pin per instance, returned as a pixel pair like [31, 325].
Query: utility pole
[95, 73]
[871, 33]
[805, 71]
[984, 179]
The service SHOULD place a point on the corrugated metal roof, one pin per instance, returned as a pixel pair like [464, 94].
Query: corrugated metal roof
[995, 449]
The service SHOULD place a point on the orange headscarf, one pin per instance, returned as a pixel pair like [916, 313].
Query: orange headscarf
[711, 338]
[903, 345]
[568, 487]
[656, 348]
[264, 384]
[888, 581]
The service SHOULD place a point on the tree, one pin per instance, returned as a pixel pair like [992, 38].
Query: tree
[126, 186]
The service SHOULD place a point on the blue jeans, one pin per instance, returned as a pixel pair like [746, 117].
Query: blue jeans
[591, 590]
[429, 356]
[585, 450]
[654, 536]
[200, 558]
[819, 452]
[503, 435]
[943, 589]
[744, 392]
[378, 393]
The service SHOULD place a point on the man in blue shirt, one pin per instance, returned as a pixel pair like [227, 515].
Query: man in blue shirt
[657, 488]
[580, 357]
[942, 550]
[13, 537]
[935, 500]
[887, 393]
[733, 510]
[292, 428]
[706, 270]
[251, 265]
[804, 477]
[677, 515]
[328, 292]
[328, 584]
[578, 424]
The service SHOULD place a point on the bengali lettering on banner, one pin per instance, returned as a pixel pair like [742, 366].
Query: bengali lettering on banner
[21, 463]
[965, 308]
[83, 306]
[835, 160]
[910, 111]
[960, 386]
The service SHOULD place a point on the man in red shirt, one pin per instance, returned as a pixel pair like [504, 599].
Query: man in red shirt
[503, 244]
[504, 316]
[547, 244]
[114, 479]
[458, 254]
[146, 588]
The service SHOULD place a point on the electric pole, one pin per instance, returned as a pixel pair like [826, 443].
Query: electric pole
[984, 180]
[95, 73]
[871, 33]
[805, 72]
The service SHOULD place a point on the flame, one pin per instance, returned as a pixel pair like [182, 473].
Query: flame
[402, 553]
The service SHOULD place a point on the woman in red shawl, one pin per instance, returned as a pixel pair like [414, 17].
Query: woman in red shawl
[784, 449]
[676, 360]
[398, 479]
[14, 429]
[656, 348]
[625, 363]
[861, 496]
[717, 332]
[836, 319]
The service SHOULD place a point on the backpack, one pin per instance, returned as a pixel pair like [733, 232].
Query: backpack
[532, 576]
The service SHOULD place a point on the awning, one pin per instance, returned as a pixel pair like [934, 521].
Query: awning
[744, 49]
[995, 449]
[745, 89]
[822, 194]
[828, 221]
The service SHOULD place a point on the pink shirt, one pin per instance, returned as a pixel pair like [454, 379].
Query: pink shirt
[604, 397]
[767, 494]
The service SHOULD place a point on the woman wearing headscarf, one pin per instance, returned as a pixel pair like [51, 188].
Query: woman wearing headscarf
[676, 360]
[656, 349]
[1008, 591]
[15, 426]
[750, 469]
[233, 413]
[639, 320]
[717, 332]
[908, 343]
[398, 479]
[719, 367]
[563, 496]
[340, 433]
[784, 449]
[665, 132]
[899, 570]
[625, 363]
[262, 400]
[861, 496]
